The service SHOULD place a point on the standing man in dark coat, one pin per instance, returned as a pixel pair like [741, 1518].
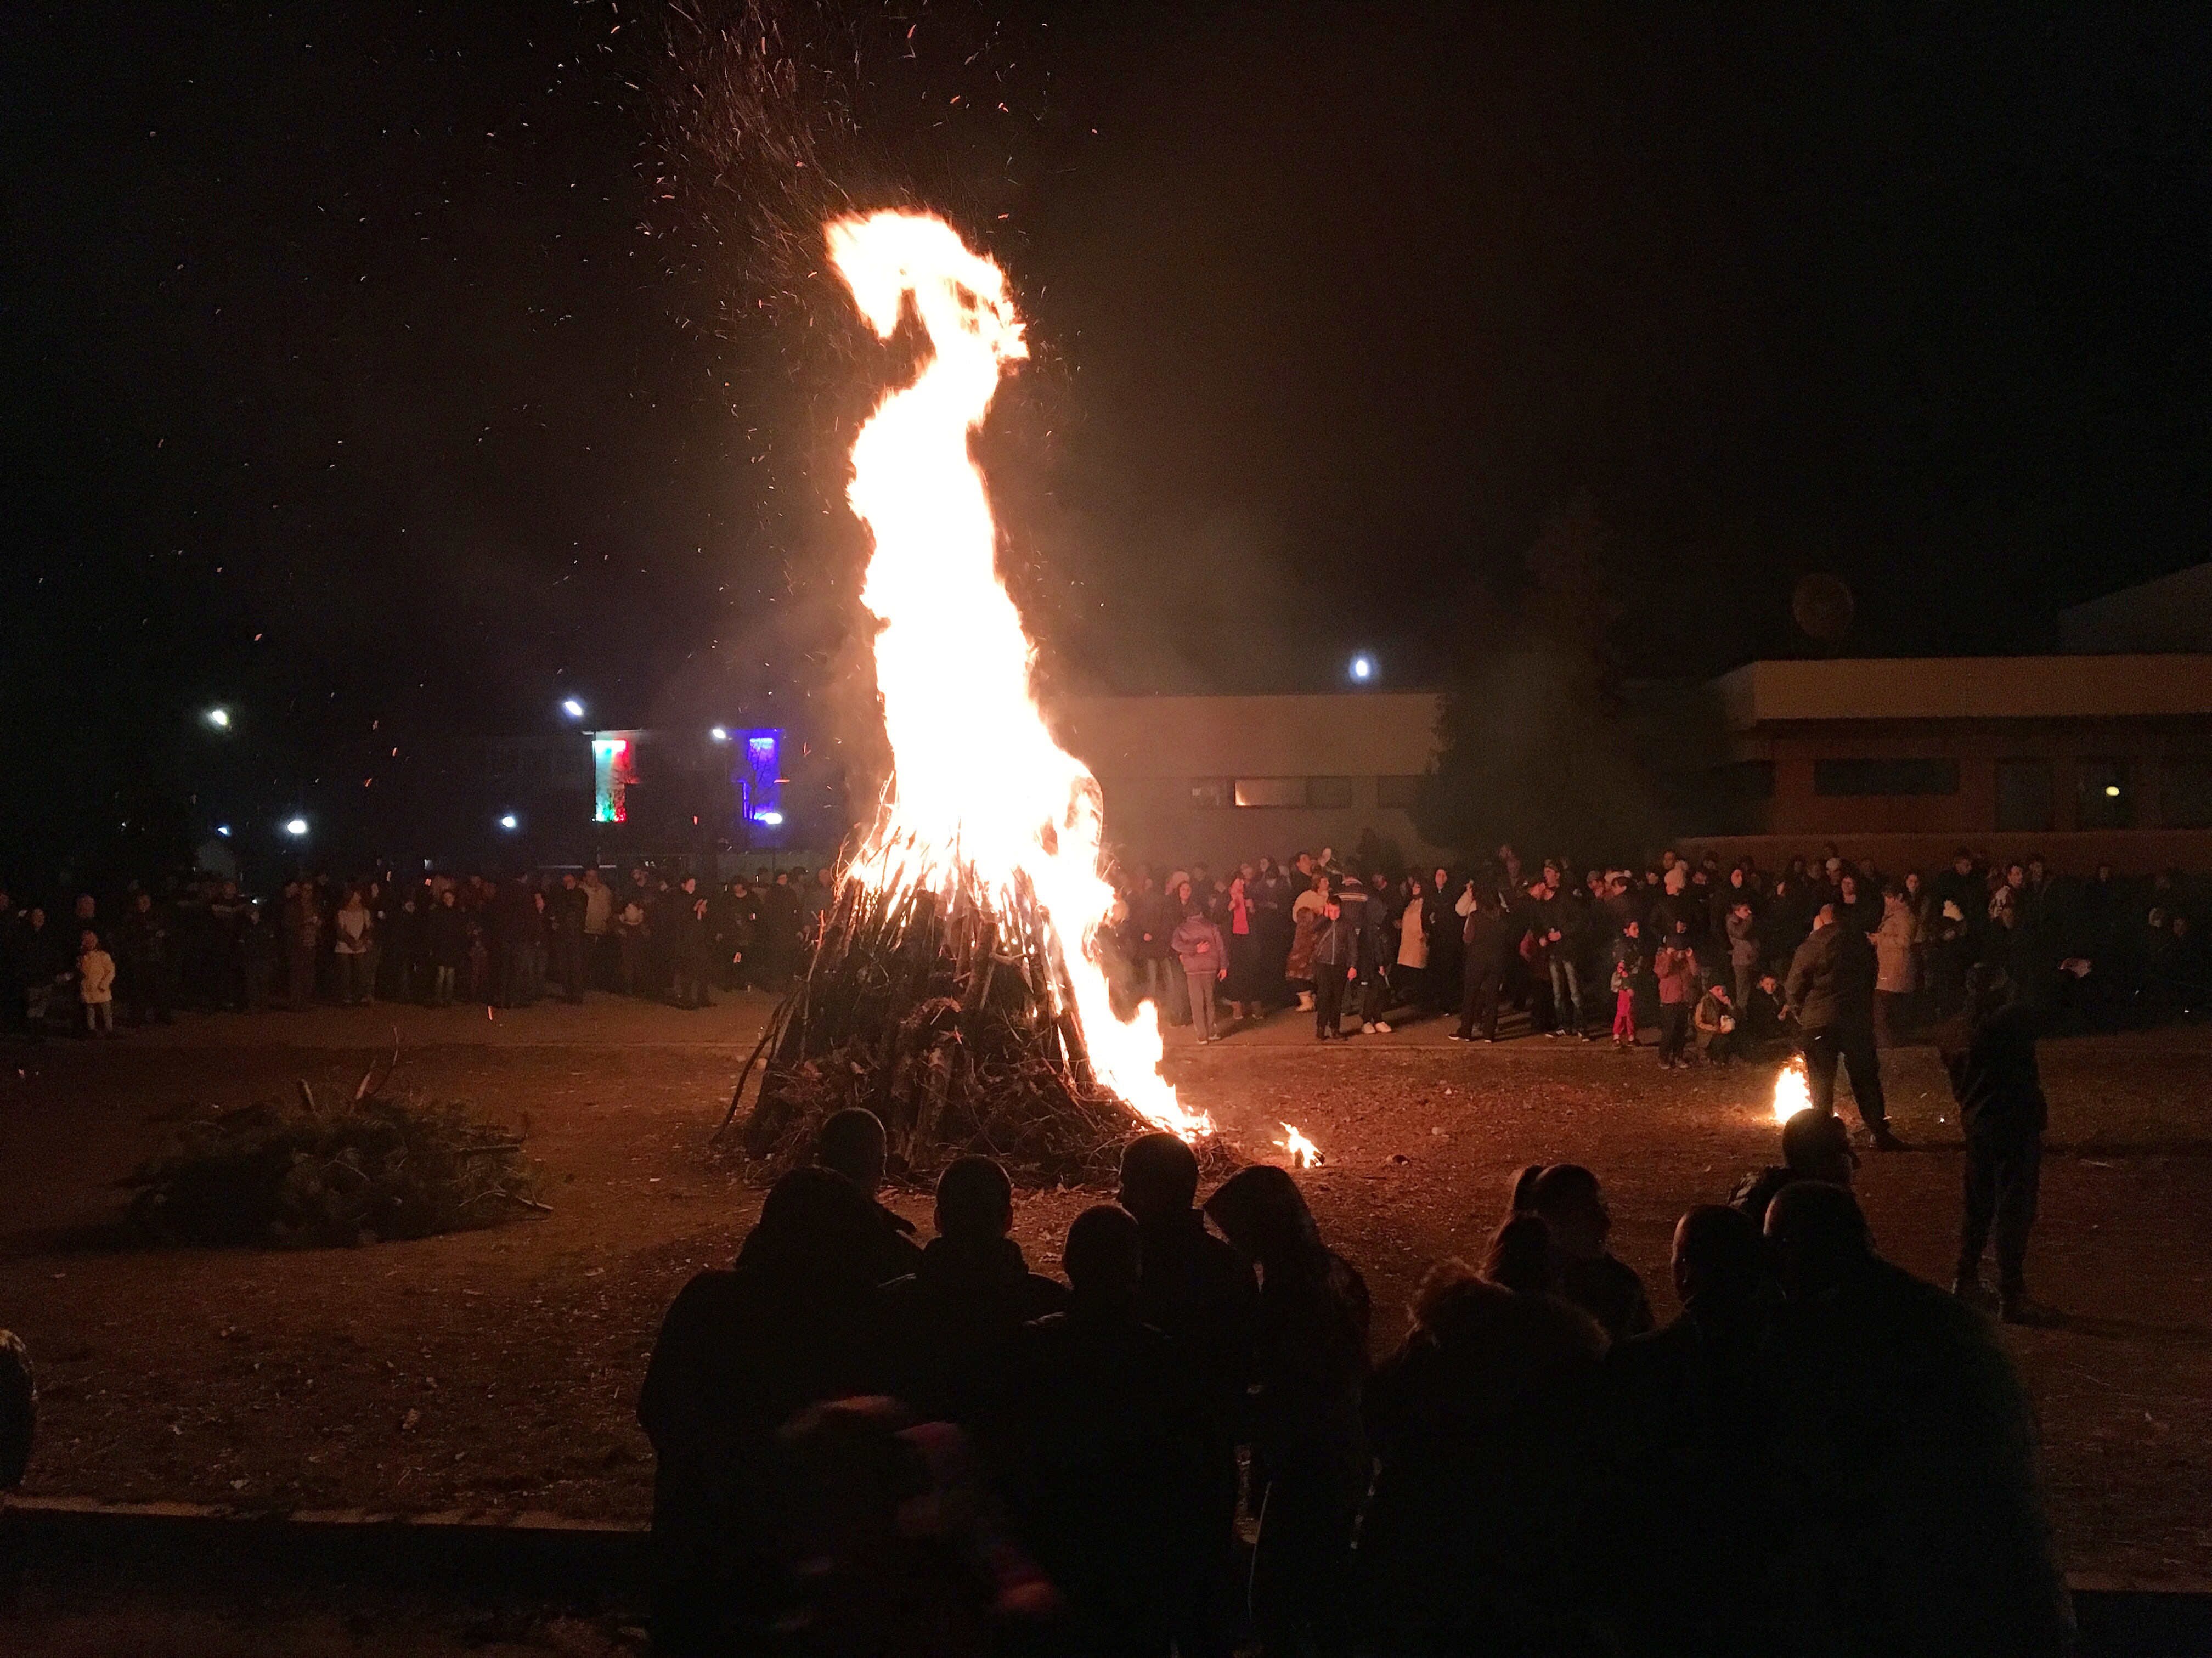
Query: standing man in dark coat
[1204, 1298]
[144, 950]
[1484, 938]
[1989, 1051]
[564, 920]
[1830, 991]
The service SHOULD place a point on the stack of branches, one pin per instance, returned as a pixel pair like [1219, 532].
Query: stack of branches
[951, 1016]
[288, 1174]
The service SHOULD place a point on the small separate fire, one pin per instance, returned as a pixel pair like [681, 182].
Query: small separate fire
[1793, 1090]
[1304, 1154]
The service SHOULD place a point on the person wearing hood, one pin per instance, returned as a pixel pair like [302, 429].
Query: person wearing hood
[947, 1328]
[742, 1350]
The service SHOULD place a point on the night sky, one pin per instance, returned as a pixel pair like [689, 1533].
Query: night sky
[388, 371]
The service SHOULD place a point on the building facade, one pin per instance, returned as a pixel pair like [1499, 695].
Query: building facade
[1222, 779]
[2086, 759]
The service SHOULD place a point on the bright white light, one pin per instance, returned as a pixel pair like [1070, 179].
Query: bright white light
[223, 829]
[771, 818]
[573, 708]
[1363, 668]
[509, 821]
[719, 733]
[219, 718]
[296, 827]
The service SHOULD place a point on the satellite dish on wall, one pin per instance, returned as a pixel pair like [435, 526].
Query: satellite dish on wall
[1823, 607]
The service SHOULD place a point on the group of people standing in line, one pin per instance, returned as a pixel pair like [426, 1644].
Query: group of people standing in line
[867, 1445]
[437, 940]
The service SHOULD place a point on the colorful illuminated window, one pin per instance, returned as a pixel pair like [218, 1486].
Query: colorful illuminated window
[613, 770]
[760, 785]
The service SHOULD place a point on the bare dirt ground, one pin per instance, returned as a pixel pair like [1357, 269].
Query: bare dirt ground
[495, 1371]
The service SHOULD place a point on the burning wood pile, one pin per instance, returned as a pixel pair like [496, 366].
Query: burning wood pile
[956, 990]
[953, 1021]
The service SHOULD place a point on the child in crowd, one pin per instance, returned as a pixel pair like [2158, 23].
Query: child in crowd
[95, 985]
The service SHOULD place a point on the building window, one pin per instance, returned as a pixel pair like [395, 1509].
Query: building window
[1328, 791]
[2184, 792]
[1210, 792]
[2104, 795]
[2024, 795]
[1850, 777]
[1271, 791]
[1402, 793]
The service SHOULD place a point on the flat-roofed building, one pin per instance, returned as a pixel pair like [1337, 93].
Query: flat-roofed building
[2173, 613]
[1222, 779]
[2085, 758]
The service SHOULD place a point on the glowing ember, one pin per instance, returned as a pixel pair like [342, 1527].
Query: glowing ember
[1304, 1154]
[1792, 1092]
[983, 799]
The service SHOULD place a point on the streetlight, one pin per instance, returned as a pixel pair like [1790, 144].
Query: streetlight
[218, 718]
[1362, 667]
[223, 829]
[719, 733]
[510, 823]
[296, 827]
[572, 708]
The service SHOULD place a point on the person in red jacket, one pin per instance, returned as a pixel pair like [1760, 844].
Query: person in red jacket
[1676, 966]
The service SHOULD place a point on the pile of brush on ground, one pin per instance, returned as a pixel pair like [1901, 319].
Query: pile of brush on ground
[954, 1023]
[287, 1174]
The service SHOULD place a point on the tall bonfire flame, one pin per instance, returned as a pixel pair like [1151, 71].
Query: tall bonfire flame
[985, 808]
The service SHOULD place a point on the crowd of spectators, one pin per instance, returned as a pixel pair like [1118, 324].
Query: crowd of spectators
[1700, 950]
[868, 1446]
[436, 940]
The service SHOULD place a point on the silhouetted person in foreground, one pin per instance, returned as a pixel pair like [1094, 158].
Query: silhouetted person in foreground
[1101, 1438]
[900, 1554]
[1816, 1145]
[1519, 1257]
[1566, 1198]
[1204, 1297]
[1690, 1425]
[1484, 1424]
[1989, 1051]
[851, 1143]
[947, 1329]
[738, 1353]
[1309, 1456]
[1905, 1456]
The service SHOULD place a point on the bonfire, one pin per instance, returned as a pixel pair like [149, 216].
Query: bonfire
[956, 988]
